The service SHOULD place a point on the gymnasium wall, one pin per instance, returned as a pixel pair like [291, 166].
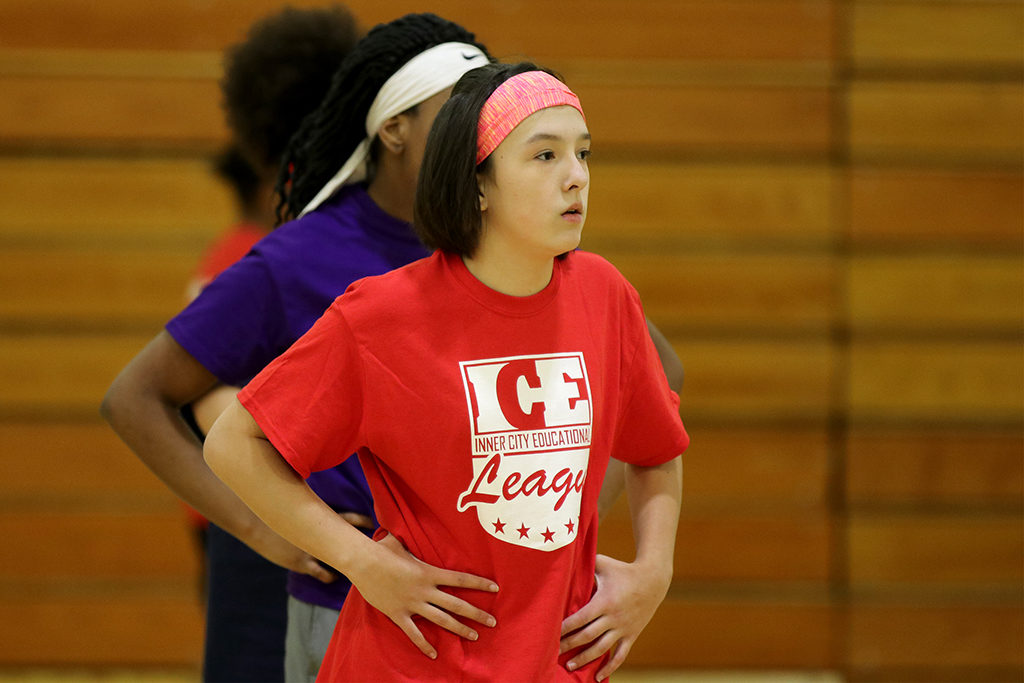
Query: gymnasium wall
[820, 201]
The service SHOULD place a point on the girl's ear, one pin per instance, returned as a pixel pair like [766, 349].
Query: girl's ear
[394, 132]
[481, 196]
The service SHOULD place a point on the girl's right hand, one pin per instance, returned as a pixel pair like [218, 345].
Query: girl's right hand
[402, 586]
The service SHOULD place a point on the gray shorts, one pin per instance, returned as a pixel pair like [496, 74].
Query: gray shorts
[309, 632]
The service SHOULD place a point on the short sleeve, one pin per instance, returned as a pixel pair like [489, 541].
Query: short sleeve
[309, 400]
[237, 323]
[649, 429]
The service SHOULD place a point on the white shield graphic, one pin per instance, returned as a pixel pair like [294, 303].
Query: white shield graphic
[530, 425]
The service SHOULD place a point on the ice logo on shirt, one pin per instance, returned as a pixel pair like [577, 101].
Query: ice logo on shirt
[530, 421]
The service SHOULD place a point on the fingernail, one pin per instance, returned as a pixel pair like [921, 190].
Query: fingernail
[433, 655]
[571, 666]
[493, 588]
[473, 635]
[491, 621]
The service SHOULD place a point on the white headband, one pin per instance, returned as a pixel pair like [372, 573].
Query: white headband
[422, 77]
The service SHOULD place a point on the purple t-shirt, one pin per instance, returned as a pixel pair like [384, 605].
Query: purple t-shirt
[256, 309]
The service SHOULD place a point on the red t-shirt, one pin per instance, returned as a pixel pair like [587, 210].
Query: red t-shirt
[484, 424]
[228, 248]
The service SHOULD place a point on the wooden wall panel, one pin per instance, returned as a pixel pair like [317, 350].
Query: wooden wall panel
[940, 467]
[936, 207]
[789, 121]
[950, 641]
[662, 29]
[951, 550]
[636, 204]
[953, 33]
[90, 286]
[176, 114]
[944, 292]
[143, 200]
[974, 121]
[979, 382]
[739, 633]
[59, 461]
[752, 469]
[112, 545]
[66, 375]
[118, 628]
[733, 291]
[772, 174]
[722, 204]
[762, 546]
[735, 381]
[110, 112]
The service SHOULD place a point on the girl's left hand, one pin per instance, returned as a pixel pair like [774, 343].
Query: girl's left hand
[626, 598]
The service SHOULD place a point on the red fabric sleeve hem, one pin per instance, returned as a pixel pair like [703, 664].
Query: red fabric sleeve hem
[272, 432]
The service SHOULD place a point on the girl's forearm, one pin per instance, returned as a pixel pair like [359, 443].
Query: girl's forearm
[238, 452]
[655, 496]
[142, 406]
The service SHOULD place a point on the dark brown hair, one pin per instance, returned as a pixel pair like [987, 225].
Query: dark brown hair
[446, 213]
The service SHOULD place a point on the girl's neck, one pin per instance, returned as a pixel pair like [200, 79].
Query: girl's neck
[509, 271]
[392, 192]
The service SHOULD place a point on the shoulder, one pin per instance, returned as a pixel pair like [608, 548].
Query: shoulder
[412, 282]
[594, 271]
[340, 216]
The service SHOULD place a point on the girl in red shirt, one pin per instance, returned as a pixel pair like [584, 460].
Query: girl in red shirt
[485, 389]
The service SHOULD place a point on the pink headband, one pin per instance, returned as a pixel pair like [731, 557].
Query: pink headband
[513, 101]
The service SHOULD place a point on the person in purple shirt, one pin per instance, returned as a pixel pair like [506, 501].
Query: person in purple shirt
[377, 113]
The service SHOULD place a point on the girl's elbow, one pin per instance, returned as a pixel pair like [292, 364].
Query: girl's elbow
[214, 448]
[119, 398]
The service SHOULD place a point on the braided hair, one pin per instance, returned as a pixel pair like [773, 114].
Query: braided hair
[280, 73]
[331, 133]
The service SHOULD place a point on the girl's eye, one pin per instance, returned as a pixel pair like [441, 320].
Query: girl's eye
[583, 154]
[546, 156]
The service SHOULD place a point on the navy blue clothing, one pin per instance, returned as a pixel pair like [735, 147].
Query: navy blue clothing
[244, 600]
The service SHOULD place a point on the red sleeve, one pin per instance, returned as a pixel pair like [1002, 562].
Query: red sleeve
[309, 400]
[230, 247]
[650, 430]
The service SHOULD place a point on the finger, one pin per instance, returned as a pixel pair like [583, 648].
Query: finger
[356, 519]
[445, 577]
[409, 628]
[448, 622]
[619, 653]
[316, 570]
[586, 614]
[592, 632]
[603, 644]
[458, 606]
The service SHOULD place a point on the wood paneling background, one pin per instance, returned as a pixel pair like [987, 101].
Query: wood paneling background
[820, 201]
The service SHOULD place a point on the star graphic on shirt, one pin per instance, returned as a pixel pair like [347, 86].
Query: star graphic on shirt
[570, 526]
[549, 535]
[524, 531]
[499, 526]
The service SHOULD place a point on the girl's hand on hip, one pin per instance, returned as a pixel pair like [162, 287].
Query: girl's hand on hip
[402, 586]
[626, 598]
